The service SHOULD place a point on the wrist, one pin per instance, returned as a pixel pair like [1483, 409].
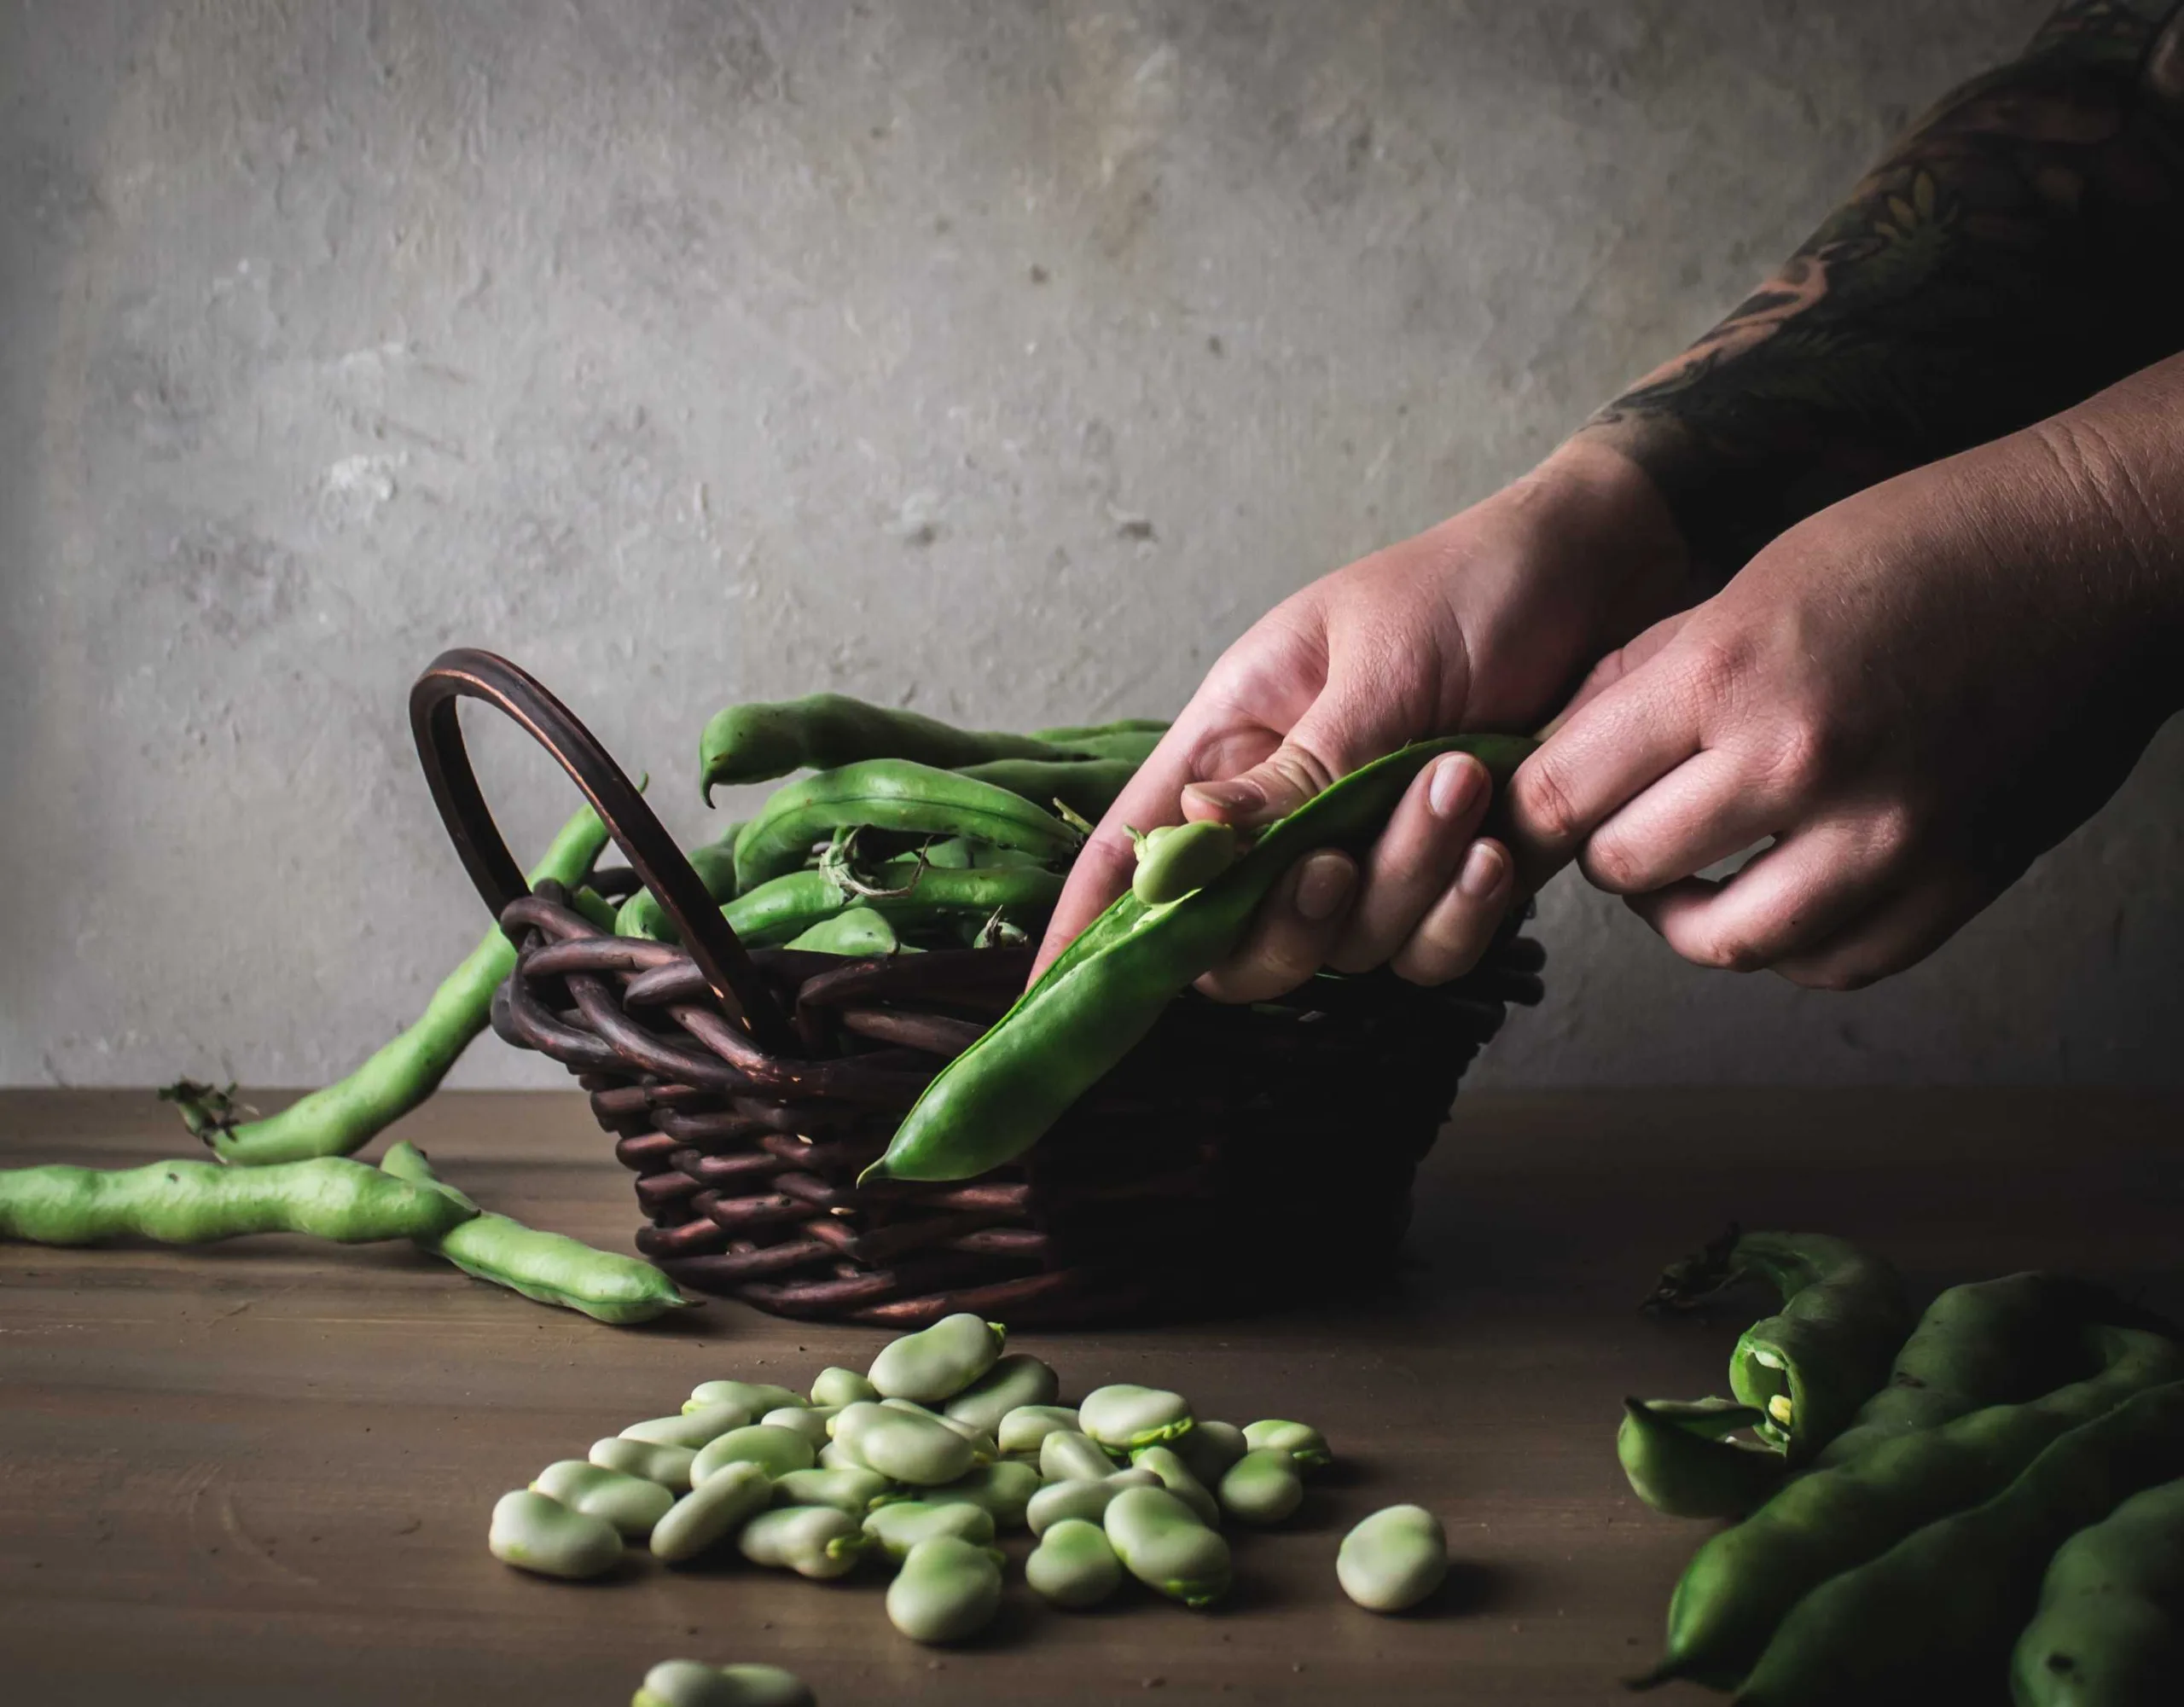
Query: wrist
[1602, 539]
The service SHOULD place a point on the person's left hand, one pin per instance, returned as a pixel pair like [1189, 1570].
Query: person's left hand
[1912, 693]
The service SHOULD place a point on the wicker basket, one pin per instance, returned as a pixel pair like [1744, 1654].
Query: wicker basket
[1238, 1156]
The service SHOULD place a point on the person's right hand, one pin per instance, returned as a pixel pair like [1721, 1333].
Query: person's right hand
[1483, 622]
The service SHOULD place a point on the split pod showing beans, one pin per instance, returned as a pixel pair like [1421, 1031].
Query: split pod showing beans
[947, 1590]
[1393, 1560]
[1176, 859]
[1679, 1460]
[688, 1683]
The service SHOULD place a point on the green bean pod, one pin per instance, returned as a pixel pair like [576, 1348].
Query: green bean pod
[642, 914]
[835, 1387]
[196, 1203]
[779, 1450]
[1679, 1460]
[1108, 988]
[1742, 1583]
[892, 794]
[1393, 1560]
[1014, 1381]
[933, 1365]
[687, 1683]
[757, 742]
[776, 912]
[900, 1525]
[817, 1541]
[1301, 1441]
[536, 1533]
[1005, 1489]
[549, 1268]
[846, 1488]
[758, 1397]
[630, 1503]
[2109, 1627]
[1123, 1417]
[1262, 1487]
[1161, 1542]
[947, 1590]
[1074, 1565]
[342, 1118]
[1087, 1498]
[1025, 1428]
[1943, 1605]
[710, 1513]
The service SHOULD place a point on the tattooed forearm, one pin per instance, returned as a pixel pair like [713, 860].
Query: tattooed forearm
[2020, 248]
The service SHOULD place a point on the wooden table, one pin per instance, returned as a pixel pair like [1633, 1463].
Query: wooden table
[259, 1473]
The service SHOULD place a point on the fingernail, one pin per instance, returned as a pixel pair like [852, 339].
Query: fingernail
[1454, 785]
[1236, 795]
[1482, 871]
[1324, 886]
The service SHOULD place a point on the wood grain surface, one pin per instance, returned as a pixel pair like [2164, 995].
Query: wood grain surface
[260, 1472]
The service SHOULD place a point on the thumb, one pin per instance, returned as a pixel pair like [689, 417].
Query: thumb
[1332, 738]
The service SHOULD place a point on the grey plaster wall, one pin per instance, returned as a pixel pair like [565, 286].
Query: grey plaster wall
[1000, 359]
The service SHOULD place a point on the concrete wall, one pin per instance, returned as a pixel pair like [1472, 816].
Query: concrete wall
[999, 358]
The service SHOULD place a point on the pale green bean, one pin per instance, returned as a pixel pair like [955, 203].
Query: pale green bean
[935, 1364]
[1393, 1560]
[630, 1503]
[1175, 1476]
[1123, 1417]
[836, 1387]
[948, 1590]
[1161, 1542]
[817, 1541]
[1074, 1564]
[1024, 1428]
[779, 1449]
[1014, 1381]
[1262, 1487]
[900, 1526]
[669, 1465]
[710, 1513]
[1058, 1502]
[687, 1683]
[846, 1489]
[536, 1533]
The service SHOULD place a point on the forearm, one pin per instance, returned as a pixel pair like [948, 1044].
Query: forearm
[2021, 248]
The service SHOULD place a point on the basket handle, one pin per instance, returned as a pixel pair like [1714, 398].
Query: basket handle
[466, 672]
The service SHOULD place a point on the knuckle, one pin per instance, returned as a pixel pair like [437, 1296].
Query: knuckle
[1725, 950]
[1542, 800]
[1611, 864]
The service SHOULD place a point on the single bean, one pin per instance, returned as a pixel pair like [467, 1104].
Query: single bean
[1262, 1487]
[1024, 1428]
[1073, 1565]
[835, 1455]
[1175, 1476]
[642, 914]
[343, 1117]
[669, 1465]
[1210, 1448]
[1111, 985]
[2109, 1627]
[536, 1533]
[1122, 1418]
[194, 1203]
[1014, 1381]
[1679, 1460]
[817, 1541]
[846, 1489]
[1087, 1498]
[630, 1503]
[947, 1590]
[786, 907]
[1302, 1441]
[1161, 1542]
[711, 1511]
[1176, 860]
[897, 1527]
[756, 1396]
[902, 1446]
[981, 1442]
[1004, 1489]
[691, 1429]
[757, 742]
[809, 1421]
[1742, 1582]
[834, 1387]
[1393, 1560]
[1936, 1609]
[934, 1365]
[779, 1449]
[1068, 1457]
[686, 1683]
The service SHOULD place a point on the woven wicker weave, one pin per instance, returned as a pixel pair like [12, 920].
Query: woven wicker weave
[1239, 1155]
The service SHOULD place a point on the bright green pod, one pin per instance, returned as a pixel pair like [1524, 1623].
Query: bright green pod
[669, 1465]
[1026, 1427]
[536, 1533]
[1262, 1487]
[1393, 1560]
[630, 1503]
[834, 1387]
[1122, 1418]
[710, 1513]
[780, 1450]
[1065, 1456]
[1013, 1383]
[1161, 1542]
[1088, 786]
[196, 1203]
[846, 1489]
[760, 741]
[933, 1365]
[1175, 1476]
[1004, 1489]
[808, 1420]
[817, 1541]
[897, 1527]
[758, 1397]
[1176, 860]
[856, 933]
[689, 1429]
[947, 1590]
[687, 1683]
[1678, 1459]
[778, 911]
[1301, 1441]
[642, 914]
[903, 1446]
[2109, 1628]
[1089, 1499]
[1073, 1565]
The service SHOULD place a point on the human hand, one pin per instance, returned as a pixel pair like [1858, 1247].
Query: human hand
[1914, 694]
[1481, 623]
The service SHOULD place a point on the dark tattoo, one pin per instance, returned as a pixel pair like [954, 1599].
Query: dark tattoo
[2021, 248]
